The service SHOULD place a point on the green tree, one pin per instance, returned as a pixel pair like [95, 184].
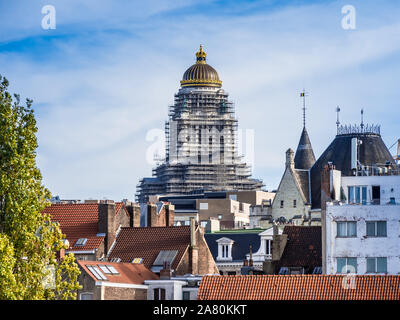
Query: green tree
[29, 240]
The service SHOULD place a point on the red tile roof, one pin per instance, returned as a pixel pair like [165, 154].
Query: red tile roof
[303, 248]
[77, 221]
[128, 272]
[298, 287]
[147, 242]
[118, 206]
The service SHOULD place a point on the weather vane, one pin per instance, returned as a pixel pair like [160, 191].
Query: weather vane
[337, 118]
[304, 94]
[362, 119]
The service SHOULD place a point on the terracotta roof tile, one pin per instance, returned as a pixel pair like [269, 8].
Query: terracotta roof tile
[119, 206]
[298, 287]
[77, 221]
[147, 242]
[128, 272]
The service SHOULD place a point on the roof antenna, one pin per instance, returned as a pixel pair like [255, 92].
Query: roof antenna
[304, 94]
[337, 119]
[362, 120]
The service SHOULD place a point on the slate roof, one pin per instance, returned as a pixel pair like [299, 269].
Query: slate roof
[372, 151]
[240, 247]
[128, 272]
[298, 287]
[304, 157]
[77, 221]
[147, 242]
[303, 248]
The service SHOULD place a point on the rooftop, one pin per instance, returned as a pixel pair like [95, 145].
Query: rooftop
[129, 273]
[147, 242]
[299, 287]
[303, 248]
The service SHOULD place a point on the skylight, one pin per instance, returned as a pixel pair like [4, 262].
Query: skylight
[137, 260]
[108, 269]
[81, 242]
[96, 272]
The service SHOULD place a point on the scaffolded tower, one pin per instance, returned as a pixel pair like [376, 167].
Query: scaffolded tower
[201, 140]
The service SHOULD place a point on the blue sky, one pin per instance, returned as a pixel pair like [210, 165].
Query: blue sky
[106, 75]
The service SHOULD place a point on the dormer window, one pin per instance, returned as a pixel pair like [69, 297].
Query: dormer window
[225, 249]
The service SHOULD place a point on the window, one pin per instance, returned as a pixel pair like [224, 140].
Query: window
[376, 229]
[186, 295]
[159, 294]
[108, 269]
[203, 206]
[283, 271]
[225, 251]
[233, 197]
[81, 242]
[203, 224]
[358, 194]
[281, 203]
[96, 272]
[346, 265]
[376, 265]
[294, 203]
[86, 296]
[220, 217]
[268, 246]
[346, 229]
[317, 270]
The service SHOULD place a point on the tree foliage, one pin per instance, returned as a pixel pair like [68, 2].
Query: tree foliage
[29, 240]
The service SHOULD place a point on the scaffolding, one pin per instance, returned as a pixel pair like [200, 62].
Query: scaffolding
[201, 148]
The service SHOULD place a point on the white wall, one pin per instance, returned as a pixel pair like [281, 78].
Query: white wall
[362, 246]
[387, 183]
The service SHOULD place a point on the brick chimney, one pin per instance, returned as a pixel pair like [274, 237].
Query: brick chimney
[165, 272]
[164, 218]
[251, 256]
[193, 250]
[278, 243]
[106, 222]
[134, 213]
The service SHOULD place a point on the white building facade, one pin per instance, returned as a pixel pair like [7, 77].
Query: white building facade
[362, 232]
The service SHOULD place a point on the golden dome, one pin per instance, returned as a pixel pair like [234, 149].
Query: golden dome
[201, 74]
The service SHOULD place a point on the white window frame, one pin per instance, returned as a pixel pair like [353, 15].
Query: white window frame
[347, 230]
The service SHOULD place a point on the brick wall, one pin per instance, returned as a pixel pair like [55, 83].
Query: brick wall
[163, 218]
[117, 293]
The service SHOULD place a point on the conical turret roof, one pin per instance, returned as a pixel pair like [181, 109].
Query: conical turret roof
[304, 158]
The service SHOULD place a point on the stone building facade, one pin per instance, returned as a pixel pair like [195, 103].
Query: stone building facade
[291, 200]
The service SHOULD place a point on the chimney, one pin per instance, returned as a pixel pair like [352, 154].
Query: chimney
[290, 158]
[192, 232]
[134, 213]
[278, 243]
[251, 256]
[106, 224]
[193, 250]
[165, 272]
[245, 263]
[169, 214]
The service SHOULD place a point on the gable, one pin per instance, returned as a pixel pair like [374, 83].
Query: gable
[288, 183]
